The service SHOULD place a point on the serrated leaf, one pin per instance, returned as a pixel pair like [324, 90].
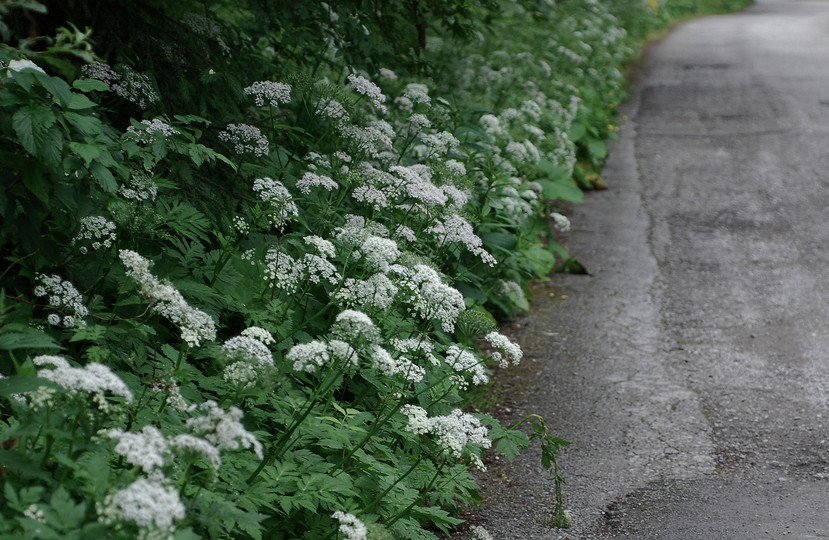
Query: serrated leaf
[104, 177]
[31, 125]
[11, 341]
[88, 152]
[58, 88]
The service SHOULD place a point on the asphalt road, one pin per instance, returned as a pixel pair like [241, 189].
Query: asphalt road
[690, 370]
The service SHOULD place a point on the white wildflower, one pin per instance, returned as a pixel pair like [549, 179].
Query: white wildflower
[456, 229]
[560, 222]
[405, 233]
[281, 204]
[274, 93]
[134, 87]
[422, 346]
[417, 93]
[363, 86]
[378, 253]
[62, 294]
[245, 139]
[311, 180]
[147, 130]
[429, 298]
[96, 231]
[282, 271]
[139, 187]
[318, 269]
[94, 378]
[248, 356]
[333, 110]
[479, 533]
[308, 357]
[343, 352]
[188, 443]
[221, 428]
[442, 142]
[465, 362]
[148, 448]
[382, 360]
[259, 334]
[149, 503]
[350, 526]
[455, 167]
[377, 292]
[195, 325]
[419, 187]
[388, 74]
[419, 122]
[511, 351]
[353, 325]
[323, 246]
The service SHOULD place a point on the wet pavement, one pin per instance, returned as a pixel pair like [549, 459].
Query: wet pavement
[690, 369]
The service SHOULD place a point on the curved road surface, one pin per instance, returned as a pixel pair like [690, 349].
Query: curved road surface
[690, 370]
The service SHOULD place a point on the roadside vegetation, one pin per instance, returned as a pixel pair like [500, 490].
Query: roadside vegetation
[253, 254]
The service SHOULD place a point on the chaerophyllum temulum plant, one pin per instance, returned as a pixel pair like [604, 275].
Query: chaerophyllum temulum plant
[248, 283]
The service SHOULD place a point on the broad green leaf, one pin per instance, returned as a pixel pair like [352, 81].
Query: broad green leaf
[88, 85]
[80, 101]
[18, 384]
[58, 88]
[29, 340]
[597, 149]
[566, 190]
[89, 152]
[31, 125]
[104, 177]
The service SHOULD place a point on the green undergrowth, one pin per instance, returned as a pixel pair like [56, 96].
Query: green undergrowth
[253, 253]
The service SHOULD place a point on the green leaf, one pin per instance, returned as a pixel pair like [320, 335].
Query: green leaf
[31, 125]
[90, 85]
[80, 101]
[597, 149]
[566, 190]
[11, 341]
[89, 152]
[577, 131]
[19, 384]
[104, 177]
[58, 88]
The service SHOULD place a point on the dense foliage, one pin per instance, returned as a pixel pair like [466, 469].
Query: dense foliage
[253, 252]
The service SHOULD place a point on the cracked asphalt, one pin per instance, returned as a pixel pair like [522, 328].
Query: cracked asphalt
[690, 369]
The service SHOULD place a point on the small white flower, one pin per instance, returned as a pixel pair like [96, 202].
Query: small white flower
[363, 86]
[147, 448]
[222, 428]
[311, 180]
[274, 93]
[560, 222]
[245, 139]
[308, 357]
[149, 503]
[350, 526]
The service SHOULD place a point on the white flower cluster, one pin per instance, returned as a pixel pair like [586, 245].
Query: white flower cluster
[466, 363]
[248, 356]
[149, 502]
[139, 187]
[417, 93]
[512, 287]
[94, 378]
[274, 93]
[222, 428]
[455, 228]
[355, 326]
[363, 86]
[421, 346]
[333, 110]
[246, 139]
[511, 351]
[418, 185]
[98, 231]
[442, 142]
[430, 298]
[350, 526]
[377, 253]
[151, 450]
[480, 533]
[377, 292]
[382, 360]
[149, 129]
[62, 294]
[282, 205]
[282, 270]
[560, 222]
[127, 83]
[308, 357]
[453, 432]
[195, 326]
[311, 180]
